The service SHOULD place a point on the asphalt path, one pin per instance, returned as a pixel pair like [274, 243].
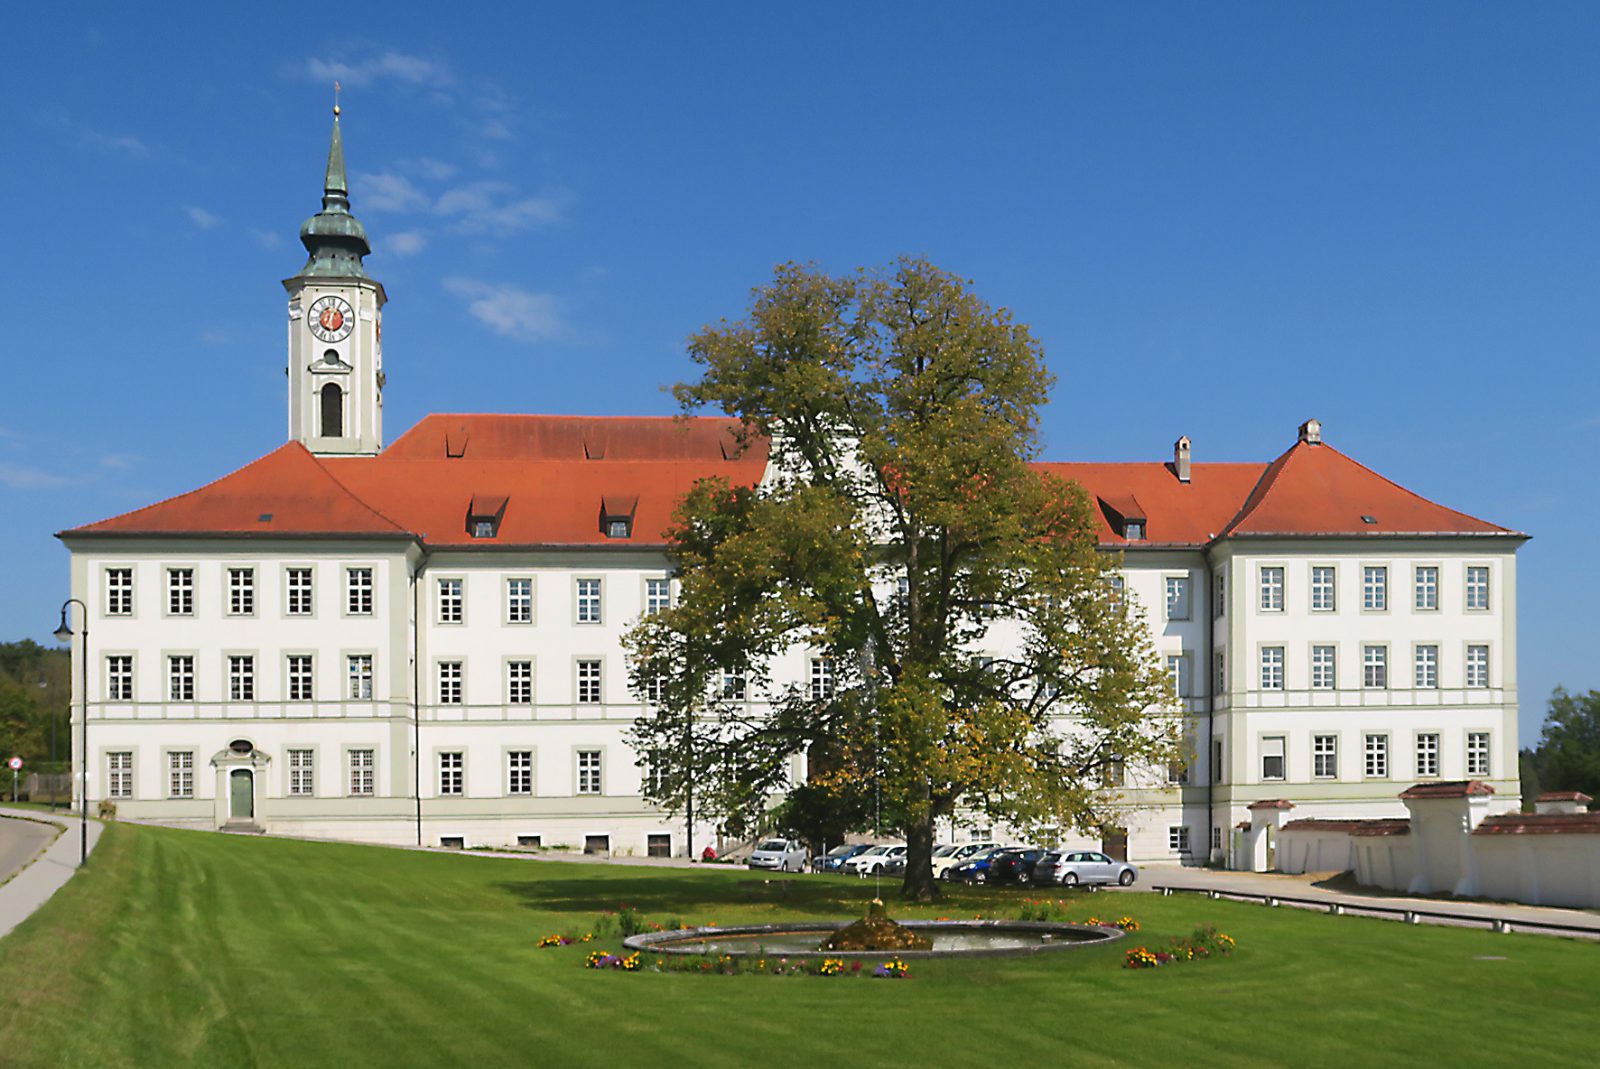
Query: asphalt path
[20, 842]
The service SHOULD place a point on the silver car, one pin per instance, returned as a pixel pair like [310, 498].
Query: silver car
[782, 855]
[1072, 867]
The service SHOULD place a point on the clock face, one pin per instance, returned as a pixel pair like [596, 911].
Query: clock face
[331, 319]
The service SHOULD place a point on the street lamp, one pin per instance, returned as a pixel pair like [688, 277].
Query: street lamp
[64, 634]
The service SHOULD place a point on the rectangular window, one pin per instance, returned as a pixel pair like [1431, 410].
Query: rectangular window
[1116, 590]
[300, 677]
[119, 774]
[119, 591]
[451, 765]
[358, 591]
[1219, 595]
[733, 686]
[657, 595]
[1272, 589]
[588, 682]
[1322, 589]
[1376, 765]
[655, 690]
[1375, 588]
[1271, 667]
[1218, 765]
[588, 601]
[657, 771]
[1477, 753]
[519, 772]
[519, 601]
[519, 682]
[1375, 667]
[302, 773]
[299, 580]
[1177, 597]
[449, 682]
[1272, 759]
[588, 771]
[1178, 673]
[658, 845]
[180, 678]
[1477, 589]
[119, 678]
[1178, 838]
[1427, 667]
[1177, 773]
[1114, 773]
[451, 608]
[180, 591]
[1427, 588]
[360, 665]
[1216, 838]
[241, 591]
[1477, 666]
[180, 774]
[821, 678]
[1325, 756]
[362, 767]
[1324, 667]
[241, 678]
[1221, 668]
[1427, 755]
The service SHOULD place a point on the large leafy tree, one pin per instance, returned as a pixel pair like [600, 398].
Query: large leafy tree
[1568, 755]
[945, 602]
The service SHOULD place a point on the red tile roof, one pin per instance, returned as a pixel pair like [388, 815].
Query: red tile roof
[1382, 826]
[1540, 824]
[1455, 788]
[1271, 803]
[1175, 513]
[1564, 796]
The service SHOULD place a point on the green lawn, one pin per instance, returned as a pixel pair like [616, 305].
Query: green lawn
[186, 948]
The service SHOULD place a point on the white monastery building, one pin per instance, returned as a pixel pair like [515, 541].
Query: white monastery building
[421, 642]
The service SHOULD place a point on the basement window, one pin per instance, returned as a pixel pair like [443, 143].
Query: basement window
[452, 842]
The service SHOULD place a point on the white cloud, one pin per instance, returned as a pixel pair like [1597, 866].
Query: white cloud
[201, 218]
[388, 192]
[124, 143]
[510, 311]
[23, 477]
[267, 239]
[118, 461]
[396, 66]
[491, 205]
[431, 169]
[405, 243]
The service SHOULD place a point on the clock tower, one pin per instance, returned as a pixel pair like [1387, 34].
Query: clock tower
[335, 328]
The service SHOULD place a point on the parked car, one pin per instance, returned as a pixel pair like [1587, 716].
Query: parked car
[782, 855]
[833, 860]
[975, 869]
[1072, 867]
[946, 858]
[873, 861]
[1014, 865]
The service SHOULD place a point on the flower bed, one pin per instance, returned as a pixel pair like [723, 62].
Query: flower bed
[1205, 942]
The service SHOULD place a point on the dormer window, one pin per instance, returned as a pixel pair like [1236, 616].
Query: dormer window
[484, 515]
[1125, 516]
[619, 529]
[616, 515]
[482, 528]
[1133, 530]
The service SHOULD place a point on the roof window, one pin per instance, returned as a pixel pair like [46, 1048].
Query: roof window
[484, 514]
[1368, 519]
[616, 515]
[1125, 515]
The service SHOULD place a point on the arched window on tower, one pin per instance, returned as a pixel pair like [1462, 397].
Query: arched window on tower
[332, 411]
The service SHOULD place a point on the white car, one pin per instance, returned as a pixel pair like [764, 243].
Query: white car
[871, 861]
[947, 858]
[779, 855]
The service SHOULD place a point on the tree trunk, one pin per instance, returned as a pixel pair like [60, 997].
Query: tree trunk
[920, 885]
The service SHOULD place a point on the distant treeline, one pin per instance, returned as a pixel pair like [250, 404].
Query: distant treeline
[35, 686]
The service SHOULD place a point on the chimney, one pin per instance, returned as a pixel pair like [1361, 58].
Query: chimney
[1311, 432]
[1180, 458]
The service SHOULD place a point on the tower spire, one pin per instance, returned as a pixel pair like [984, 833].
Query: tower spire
[335, 239]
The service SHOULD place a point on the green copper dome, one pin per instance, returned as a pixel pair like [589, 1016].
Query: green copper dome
[334, 237]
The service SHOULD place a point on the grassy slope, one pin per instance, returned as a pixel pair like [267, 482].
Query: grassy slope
[184, 948]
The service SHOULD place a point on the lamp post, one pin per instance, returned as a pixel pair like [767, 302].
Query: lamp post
[64, 634]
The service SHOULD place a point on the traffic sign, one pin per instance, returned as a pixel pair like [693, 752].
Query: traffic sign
[14, 764]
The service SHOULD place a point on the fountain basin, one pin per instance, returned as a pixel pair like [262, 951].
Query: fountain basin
[953, 938]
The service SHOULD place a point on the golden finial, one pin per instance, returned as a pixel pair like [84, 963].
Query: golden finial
[335, 100]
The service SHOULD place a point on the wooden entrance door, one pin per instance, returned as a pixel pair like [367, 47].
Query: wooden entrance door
[1114, 844]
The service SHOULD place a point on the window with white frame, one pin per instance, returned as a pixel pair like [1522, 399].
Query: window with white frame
[302, 773]
[119, 591]
[300, 675]
[1375, 588]
[180, 591]
[1427, 588]
[1427, 677]
[1272, 589]
[180, 774]
[1427, 754]
[1219, 594]
[1177, 597]
[588, 682]
[588, 771]
[119, 677]
[519, 682]
[360, 671]
[821, 678]
[450, 683]
[1271, 667]
[180, 678]
[1477, 588]
[657, 770]
[655, 691]
[362, 768]
[1116, 591]
[299, 590]
[1178, 673]
[452, 764]
[519, 772]
[241, 591]
[1216, 838]
[588, 604]
[1324, 667]
[733, 686]
[1325, 756]
[1177, 773]
[452, 608]
[1220, 671]
[519, 600]
[1376, 762]
[1218, 765]
[241, 677]
[1477, 753]
[119, 774]
[358, 591]
[657, 596]
[1178, 838]
[1375, 667]
[1323, 597]
[1477, 666]
[1272, 757]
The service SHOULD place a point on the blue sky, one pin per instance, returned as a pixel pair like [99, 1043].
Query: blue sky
[1219, 219]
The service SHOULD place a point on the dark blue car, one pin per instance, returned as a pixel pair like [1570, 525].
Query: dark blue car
[975, 869]
[833, 860]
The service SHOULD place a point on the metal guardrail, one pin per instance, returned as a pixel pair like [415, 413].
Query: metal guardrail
[1407, 915]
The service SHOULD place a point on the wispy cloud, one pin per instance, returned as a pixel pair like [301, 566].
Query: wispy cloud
[118, 461]
[384, 66]
[509, 310]
[431, 169]
[389, 192]
[25, 477]
[480, 206]
[267, 239]
[405, 243]
[200, 217]
[99, 140]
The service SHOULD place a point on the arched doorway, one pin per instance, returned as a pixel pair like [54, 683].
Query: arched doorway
[241, 794]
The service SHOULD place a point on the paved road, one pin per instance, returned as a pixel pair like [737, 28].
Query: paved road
[32, 886]
[20, 840]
